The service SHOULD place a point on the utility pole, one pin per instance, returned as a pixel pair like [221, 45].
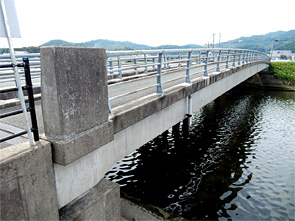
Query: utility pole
[271, 50]
[214, 38]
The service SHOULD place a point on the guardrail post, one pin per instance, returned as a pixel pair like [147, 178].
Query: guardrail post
[154, 61]
[119, 66]
[247, 57]
[206, 64]
[145, 62]
[227, 58]
[135, 63]
[159, 75]
[188, 79]
[111, 64]
[218, 62]
[179, 58]
[234, 60]
[31, 108]
[239, 62]
[165, 61]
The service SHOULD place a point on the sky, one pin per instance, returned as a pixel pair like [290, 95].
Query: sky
[150, 22]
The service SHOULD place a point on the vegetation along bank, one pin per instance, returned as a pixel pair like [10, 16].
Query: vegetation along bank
[279, 76]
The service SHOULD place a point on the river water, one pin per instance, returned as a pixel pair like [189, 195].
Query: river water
[236, 161]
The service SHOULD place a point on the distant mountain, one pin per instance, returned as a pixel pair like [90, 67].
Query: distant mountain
[282, 40]
[101, 43]
[116, 45]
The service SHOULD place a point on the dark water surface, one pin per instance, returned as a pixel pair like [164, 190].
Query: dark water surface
[236, 161]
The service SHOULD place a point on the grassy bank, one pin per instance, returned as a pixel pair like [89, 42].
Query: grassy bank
[284, 71]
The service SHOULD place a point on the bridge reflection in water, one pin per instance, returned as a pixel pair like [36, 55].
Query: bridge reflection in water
[205, 171]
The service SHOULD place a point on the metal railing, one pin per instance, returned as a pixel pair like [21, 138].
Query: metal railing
[25, 65]
[164, 62]
[157, 63]
[7, 72]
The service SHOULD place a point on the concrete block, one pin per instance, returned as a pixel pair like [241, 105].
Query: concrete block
[75, 101]
[74, 90]
[27, 183]
[65, 152]
[102, 202]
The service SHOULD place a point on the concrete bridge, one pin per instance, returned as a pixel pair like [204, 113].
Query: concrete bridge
[90, 125]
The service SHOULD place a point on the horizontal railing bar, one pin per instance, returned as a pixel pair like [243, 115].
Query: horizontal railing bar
[30, 55]
[131, 92]
[12, 113]
[12, 136]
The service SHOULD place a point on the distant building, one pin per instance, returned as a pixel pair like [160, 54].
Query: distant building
[283, 55]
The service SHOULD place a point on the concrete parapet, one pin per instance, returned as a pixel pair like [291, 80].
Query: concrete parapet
[75, 101]
[102, 202]
[27, 183]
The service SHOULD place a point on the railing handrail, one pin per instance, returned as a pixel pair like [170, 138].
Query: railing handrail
[137, 52]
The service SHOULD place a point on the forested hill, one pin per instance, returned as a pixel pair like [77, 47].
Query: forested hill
[282, 40]
[115, 45]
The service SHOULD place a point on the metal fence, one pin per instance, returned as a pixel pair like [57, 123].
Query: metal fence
[25, 66]
[163, 62]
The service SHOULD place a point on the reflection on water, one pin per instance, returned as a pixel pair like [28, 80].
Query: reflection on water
[235, 161]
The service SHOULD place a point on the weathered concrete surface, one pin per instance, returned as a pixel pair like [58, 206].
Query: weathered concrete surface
[130, 211]
[102, 202]
[74, 101]
[136, 125]
[65, 152]
[73, 79]
[27, 183]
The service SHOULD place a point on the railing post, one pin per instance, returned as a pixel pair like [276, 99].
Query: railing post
[179, 58]
[31, 108]
[218, 62]
[154, 61]
[111, 64]
[243, 61]
[159, 75]
[206, 64]
[119, 66]
[135, 63]
[239, 62]
[145, 62]
[234, 60]
[227, 58]
[165, 61]
[188, 79]
[247, 57]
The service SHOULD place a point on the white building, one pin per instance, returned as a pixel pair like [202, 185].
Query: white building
[276, 55]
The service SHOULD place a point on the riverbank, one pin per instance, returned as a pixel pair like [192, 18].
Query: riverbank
[268, 79]
[268, 82]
